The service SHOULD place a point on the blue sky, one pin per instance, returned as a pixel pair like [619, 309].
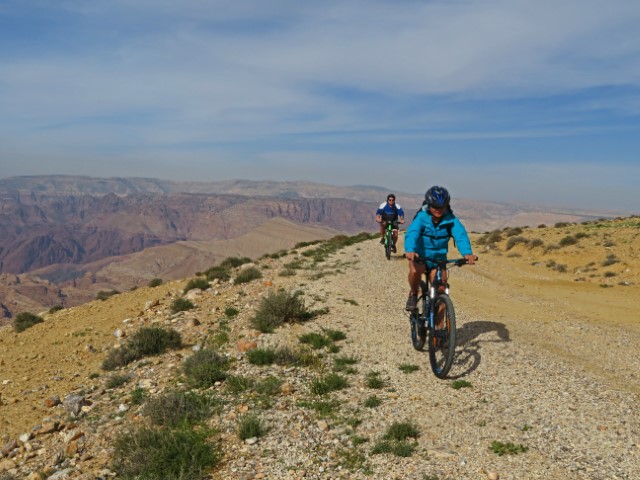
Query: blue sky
[505, 100]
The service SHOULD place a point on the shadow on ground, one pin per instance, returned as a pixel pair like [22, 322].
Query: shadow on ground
[469, 344]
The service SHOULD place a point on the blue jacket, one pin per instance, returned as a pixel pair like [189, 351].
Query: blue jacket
[432, 242]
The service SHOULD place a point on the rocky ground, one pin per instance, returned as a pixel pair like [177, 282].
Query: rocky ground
[548, 359]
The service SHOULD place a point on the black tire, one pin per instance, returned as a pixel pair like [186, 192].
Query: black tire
[418, 326]
[387, 246]
[442, 342]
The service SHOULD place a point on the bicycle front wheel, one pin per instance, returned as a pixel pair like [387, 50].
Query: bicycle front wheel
[418, 326]
[387, 246]
[442, 338]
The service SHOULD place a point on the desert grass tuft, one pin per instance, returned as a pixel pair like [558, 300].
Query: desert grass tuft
[278, 308]
[146, 341]
[205, 367]
[328, 383]
[181, 305]
[194, 283]
[173, 409]
[250, 426]
[146, 453]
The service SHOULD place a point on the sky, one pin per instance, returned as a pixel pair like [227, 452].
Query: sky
[529, 101]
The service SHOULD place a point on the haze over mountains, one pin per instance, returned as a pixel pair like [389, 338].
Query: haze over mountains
[63, 238]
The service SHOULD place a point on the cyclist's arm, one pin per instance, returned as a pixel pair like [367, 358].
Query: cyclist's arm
[459, 234]
[412, 236]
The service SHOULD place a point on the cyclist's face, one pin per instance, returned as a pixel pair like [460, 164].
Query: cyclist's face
[437, 211]
[391, 201]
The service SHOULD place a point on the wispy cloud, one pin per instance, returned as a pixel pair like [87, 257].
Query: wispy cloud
[375, 79]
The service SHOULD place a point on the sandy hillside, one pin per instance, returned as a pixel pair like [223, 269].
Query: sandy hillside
[547, 348]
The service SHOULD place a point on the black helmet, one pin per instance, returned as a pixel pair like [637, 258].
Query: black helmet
[437, 196]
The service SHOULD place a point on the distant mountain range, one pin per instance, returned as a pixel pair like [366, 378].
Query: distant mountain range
[61, 237]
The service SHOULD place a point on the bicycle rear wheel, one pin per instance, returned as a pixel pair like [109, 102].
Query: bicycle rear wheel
[442, 338]
[418, 326]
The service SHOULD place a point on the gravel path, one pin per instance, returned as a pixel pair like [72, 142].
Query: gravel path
[573, 425]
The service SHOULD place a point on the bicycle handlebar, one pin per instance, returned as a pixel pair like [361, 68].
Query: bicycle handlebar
[458, 261]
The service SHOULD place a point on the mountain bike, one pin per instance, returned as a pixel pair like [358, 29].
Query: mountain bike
[434, 320]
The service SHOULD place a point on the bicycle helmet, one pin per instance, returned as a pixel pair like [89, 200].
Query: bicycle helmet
[437, 196]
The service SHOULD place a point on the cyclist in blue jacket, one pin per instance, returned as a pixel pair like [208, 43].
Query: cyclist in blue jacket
[390, 212]
[428, 237]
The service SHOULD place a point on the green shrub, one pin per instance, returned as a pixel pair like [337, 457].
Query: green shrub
[323, 408]
[204, 368]
[568, 240]
[609, 274]
[489, 238]
[155, 282]
[233, 262]
[561, 224]
[512, 232]
[238, 384]
[513, 241]
[372, 402]
[401, 431]
[507, 448]
[181, 305]
[261, 356]
[335, 335]
[154, 340]
[302, 358]
[149, 453]
[231, 312]
[250, 426]
[56, 308]
[116, 381]
[343, 364]
[146, 341]
[395, 440]
[315, 340]
[247, 275]
[278, 308]
[200, 283]
[536, 242]
[105, 294]
[399, 449]
[610, 260]
[374, 380]
[138, 395]
[408, 368]
[25, 320]
[458, 384]
[217, 272]
[329, 383]
[579, 235]
[179, 408]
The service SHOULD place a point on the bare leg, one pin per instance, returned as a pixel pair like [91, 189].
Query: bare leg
[416, 270]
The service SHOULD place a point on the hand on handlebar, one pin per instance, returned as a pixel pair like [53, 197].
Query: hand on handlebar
[471, 259]
[411, 256]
